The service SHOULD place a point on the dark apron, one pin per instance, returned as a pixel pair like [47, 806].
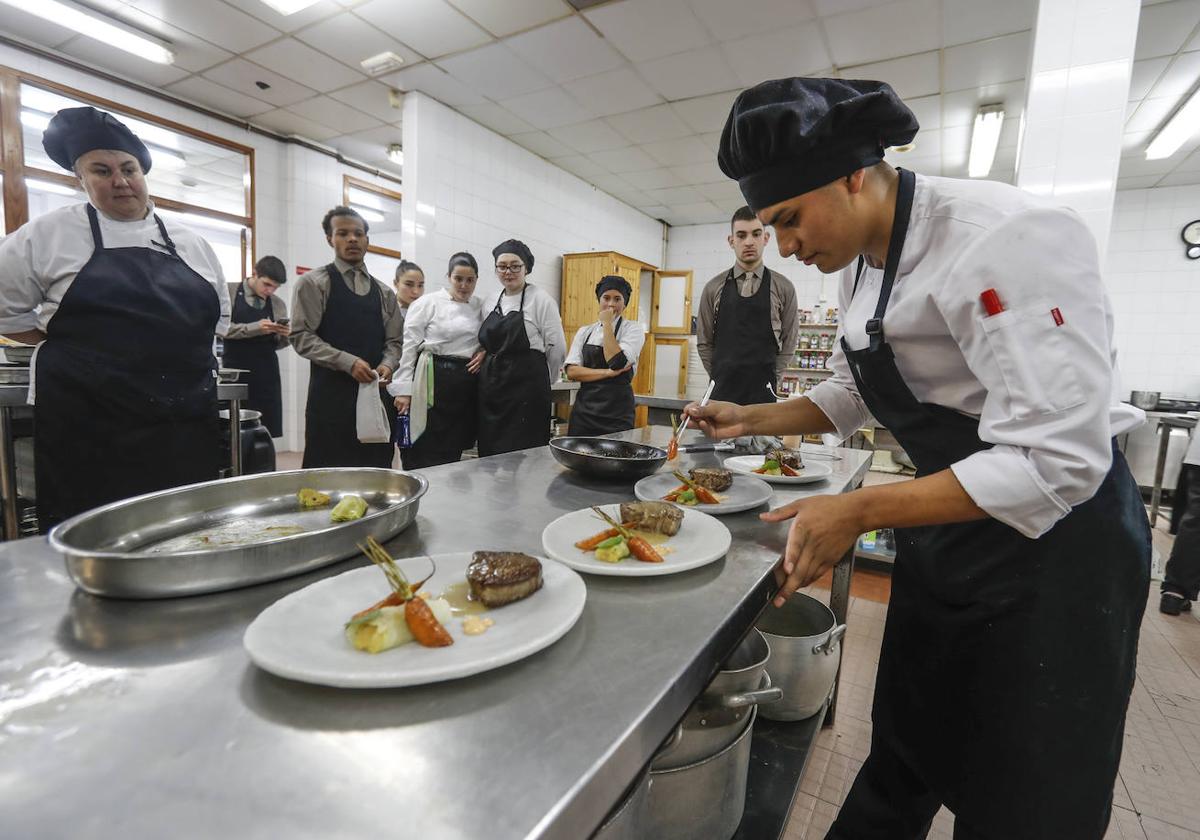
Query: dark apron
[451, 422]
[126, 381]
[258, 356]
[1007, 662]
[354, 324]
[514, 385]
[605, 405]
[744, 346]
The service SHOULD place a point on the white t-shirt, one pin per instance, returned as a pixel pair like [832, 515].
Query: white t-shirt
[631, 336]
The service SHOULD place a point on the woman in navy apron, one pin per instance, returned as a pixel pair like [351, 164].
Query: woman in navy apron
[744, 346]
[604, 403]
[1009, 649]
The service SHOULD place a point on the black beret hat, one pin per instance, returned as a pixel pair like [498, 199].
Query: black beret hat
[614, 281]
[76, 131]
[515, 246]
[788, 136]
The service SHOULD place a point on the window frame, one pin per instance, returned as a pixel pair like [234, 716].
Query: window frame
[349, 181]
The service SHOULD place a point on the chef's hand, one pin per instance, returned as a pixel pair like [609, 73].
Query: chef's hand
[385, 374]
[402, 404]
[282, 329]
[718, 419]
[361, 371]
[476, 362]
[823, 529]
[266, 325]
[614, 373]
[607, 317]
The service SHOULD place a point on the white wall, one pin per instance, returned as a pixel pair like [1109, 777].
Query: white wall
[1155, 290]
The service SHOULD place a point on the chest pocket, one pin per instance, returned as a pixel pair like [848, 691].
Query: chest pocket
[1035, 358]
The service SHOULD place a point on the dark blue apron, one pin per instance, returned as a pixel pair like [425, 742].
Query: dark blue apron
[126, 381]
[514, 385]
[605, 405]
[744, 346]
[1007, 662]
[258, 356]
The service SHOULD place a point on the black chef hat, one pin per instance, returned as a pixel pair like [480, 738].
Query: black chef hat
[614, 281]
[515, 246]
[76, 131]
[788, 136]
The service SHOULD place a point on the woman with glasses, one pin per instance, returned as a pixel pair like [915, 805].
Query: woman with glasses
[441, 359]
[523, 337]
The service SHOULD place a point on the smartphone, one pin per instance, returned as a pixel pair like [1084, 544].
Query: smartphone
[283, 322]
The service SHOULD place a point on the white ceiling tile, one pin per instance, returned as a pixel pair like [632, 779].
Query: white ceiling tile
[512, 15]
[431, 27]
[191, 52]
[630, 159]
[567, 49]
[973, 20]
[727, 21]
[796, 51]
[649, 125]
[542, 144]
[611, 183]
[1180, 77]
[960, 107]
[698, 72]
[706, 113]
[1179, 179]
[927, 110]
[362, 151]
[350, 39]
[241, 75]
[655, 179]
[201, 90]
[700, 173]
[712, 140]
[590, 136]
[383, 136]
[35, 29]
[97, 53]
[912, 76]
[698, 213]
[889, 31]
[1190, 164]
[285, 122]
[372, 98]
[287, 23]
[1151, 113]
[579, 165]
[1163, 28]
[1134, 166]
[654, 211]
[990, 62]
[305, 65]
[612, 92]
[724, 193]
[646, 29]
[676, 195]
[1145, 73]
[548, 108]
[334, 114]
[495, 71]
[825, 8]
[1134, 142]
[435, 82]
[1138, 183]
[679, 151]
[218, 23]
[497, 118]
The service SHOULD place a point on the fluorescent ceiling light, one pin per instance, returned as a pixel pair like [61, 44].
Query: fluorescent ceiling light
[367, 213]
[87, 23]
[49, 187]
[289, 7]
[985, 137]
[1183, 125]
[395, 154]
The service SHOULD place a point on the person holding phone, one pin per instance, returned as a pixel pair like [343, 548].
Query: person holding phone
[259, 329]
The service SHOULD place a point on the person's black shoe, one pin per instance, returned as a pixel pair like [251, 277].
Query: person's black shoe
[1173, 604]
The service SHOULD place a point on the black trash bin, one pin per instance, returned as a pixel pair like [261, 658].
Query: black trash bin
[258, 451]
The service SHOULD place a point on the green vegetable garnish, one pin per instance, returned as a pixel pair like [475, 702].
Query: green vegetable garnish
[610, 542]
[349, 509]
[770, 465]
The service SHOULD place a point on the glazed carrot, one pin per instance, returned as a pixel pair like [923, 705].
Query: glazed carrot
[424, 626]
[591, 542]
[395, 599]
[642, 550]
[786, 470]
[703, 494]
[673, 446]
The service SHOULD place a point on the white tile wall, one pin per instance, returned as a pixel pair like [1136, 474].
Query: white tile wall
[1155, 290]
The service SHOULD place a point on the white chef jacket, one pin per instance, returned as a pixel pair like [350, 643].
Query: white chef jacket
[1044, 392]
[631, 338]
[543, 325]
[438, 323]
[39, 261]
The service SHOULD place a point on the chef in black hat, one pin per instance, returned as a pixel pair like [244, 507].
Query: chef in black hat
[523, 337]
[123, 306]
[976, 329]
[602, 358]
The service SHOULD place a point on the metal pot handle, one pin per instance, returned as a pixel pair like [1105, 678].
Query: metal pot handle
[750, 698]
[672, 741]
[835, 635]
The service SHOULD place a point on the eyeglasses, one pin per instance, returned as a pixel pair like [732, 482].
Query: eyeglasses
[510, 268]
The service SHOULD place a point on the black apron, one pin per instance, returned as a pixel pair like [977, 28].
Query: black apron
[514, 385]
[744, 346]
[451, 421]
[258, 356]
[126, 381]
[352, 323]
[1007, 662]
[605, 405]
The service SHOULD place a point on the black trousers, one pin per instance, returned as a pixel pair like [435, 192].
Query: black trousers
[1183, 568]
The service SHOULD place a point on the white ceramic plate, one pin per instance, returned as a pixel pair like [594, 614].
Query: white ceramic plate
[701, 540]
[746, 492]
[302, 637]
[813, 470]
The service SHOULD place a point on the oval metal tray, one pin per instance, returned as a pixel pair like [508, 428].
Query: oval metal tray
[230, 533]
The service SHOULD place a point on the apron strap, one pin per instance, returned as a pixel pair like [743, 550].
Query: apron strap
[904, 200]
[94, 221]
[166, 243]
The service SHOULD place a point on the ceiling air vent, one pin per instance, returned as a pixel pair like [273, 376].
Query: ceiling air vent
[385, 62]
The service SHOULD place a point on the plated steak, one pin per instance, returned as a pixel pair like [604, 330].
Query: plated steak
[787, 457]
[497, 578]
[712, 478]
[656, 517]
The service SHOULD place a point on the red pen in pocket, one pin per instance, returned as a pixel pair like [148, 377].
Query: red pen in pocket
[1057, 316]
[991, 302]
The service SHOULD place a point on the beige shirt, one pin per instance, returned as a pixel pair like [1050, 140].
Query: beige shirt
[252, 329]
[784, 319]
[310, 298]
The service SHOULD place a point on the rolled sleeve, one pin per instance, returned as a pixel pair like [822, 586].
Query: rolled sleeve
[1003, 482]
[843, 406]
[575, 354]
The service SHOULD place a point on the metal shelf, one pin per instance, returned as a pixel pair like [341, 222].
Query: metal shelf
[779, 752]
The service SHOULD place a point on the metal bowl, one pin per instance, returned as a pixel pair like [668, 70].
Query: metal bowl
[228, 375]
[217, 535]
[607, 458]
[1146, 400]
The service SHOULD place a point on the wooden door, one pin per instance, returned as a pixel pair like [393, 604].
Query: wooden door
[670, 367]
[672, 304]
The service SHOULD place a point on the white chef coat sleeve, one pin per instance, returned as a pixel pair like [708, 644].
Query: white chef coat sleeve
[575, 354]
[416, 323]
[1045, 362]
[21, 291]
[838, 396]
[632, 337]
[551, 327]
[217, 277]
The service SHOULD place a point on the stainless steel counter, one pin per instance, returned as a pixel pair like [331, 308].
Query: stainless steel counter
[145, 719]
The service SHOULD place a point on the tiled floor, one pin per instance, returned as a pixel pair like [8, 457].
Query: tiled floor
[1157, 795]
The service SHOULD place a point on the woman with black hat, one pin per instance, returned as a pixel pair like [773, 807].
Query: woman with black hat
[523, 336]
[602, 357]
[125, 306]
[976, 329]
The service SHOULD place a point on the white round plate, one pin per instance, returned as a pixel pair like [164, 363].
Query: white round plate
[302, 636]
[746, 492]
[813, 471]
[701, 540]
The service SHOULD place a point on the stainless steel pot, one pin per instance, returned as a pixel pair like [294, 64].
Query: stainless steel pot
[805, 642]
[1145, 400]
[629, 820]
[704, 799]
